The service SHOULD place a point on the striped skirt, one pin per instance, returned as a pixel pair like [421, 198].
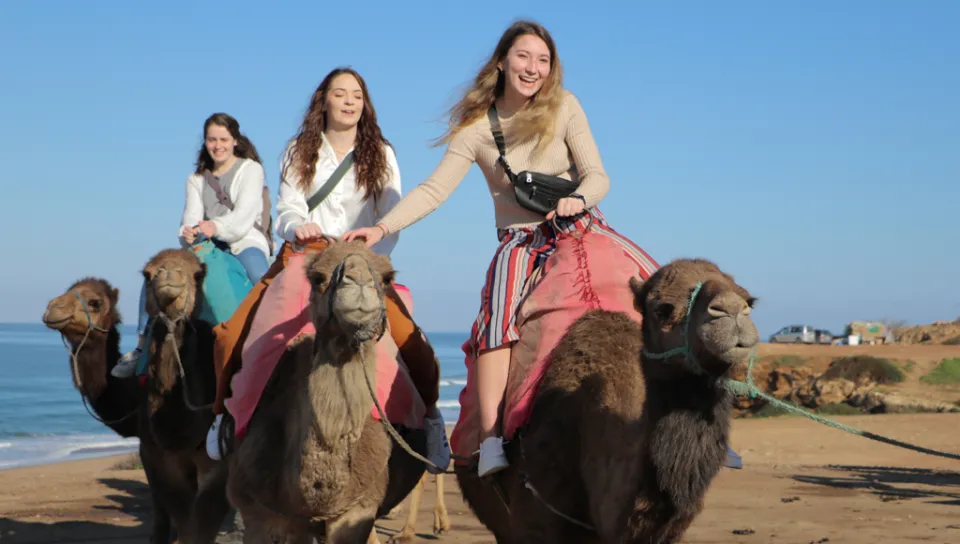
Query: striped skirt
[521, 252]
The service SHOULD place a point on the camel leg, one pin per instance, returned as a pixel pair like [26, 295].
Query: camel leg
[256, 531]
[210, 507]
[409, 530]
[531, 521]
[441, 522]
[170, 492]
[355, 526]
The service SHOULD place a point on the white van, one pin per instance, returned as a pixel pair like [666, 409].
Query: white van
[795, 334]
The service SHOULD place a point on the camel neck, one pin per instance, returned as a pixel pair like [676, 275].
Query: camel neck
[687, 423]
[338, 390]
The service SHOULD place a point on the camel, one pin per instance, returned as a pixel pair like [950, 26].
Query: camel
[188, 488]
[86, 316]
[441, 522]
[630, 423]
[313, 461]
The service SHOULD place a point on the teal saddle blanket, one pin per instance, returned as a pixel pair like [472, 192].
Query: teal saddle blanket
[224, 287]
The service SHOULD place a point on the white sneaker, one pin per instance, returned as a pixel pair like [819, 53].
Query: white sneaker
[492, 458]
[213, 445]
[127, 365]
[438, 449]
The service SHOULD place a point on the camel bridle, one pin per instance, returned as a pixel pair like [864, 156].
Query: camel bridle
[75, 365]
[336, 279]
[170, 337]
[686, 351]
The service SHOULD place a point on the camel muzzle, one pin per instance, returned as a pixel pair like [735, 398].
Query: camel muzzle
[356, 300]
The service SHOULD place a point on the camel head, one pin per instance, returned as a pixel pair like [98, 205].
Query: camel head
[66, 314]
[174, 278]
[711, 334]
[347, 282]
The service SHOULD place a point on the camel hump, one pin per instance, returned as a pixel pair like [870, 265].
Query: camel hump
[225, 283]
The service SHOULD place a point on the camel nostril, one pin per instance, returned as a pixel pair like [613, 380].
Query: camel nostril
[717, 311]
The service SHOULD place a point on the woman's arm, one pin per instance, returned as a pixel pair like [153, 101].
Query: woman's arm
[427, 196]
[234, 225]
[594, 182]
[387, 201]
[292, 210]
[193, 205]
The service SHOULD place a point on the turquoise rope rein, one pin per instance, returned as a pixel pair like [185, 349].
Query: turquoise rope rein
[749, 389]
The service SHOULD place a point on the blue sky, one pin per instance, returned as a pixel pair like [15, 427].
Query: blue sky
[809, 148]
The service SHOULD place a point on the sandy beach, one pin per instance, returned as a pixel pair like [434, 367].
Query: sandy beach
[802, 482]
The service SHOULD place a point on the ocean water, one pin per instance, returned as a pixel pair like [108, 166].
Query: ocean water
[43, 420]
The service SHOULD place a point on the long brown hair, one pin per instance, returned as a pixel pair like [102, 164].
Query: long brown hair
[244, 149]
[369, 157]
[538, 117]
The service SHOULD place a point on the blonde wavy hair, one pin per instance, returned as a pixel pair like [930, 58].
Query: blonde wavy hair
[537, 118]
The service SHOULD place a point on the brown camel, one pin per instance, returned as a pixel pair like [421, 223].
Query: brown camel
[441, 522]
[188, 488]
[630, 423]
[86, 316]
[313, 461]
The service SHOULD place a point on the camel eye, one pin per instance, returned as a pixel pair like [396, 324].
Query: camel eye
[751, 301]
[664, 311]
[95, 305]
[318, 279]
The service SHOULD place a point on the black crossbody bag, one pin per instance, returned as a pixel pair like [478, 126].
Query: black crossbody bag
[535, 191]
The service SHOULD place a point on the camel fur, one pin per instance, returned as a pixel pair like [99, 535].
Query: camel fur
[624, 444]
[188, 488]
[314, 462]
[95, 350]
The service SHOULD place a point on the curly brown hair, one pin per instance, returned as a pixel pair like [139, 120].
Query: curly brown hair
[369, 156]
[244, 149]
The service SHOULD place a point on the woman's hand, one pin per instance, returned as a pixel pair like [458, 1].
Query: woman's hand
[566, 207]
[207, 228]
[189, 234]
[371, 234]
[307, 233]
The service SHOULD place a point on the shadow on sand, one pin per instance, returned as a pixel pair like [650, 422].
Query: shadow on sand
[892, 483]
[131, 502]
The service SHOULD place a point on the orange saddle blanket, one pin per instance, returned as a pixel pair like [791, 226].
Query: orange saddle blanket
[586, 272]
[283, 315]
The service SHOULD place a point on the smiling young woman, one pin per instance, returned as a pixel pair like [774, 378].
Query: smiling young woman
[224, 202]
[340, 120]
[545, 130]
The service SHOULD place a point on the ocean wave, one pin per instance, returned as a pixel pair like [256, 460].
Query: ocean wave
[37, 450]
[448, 404]
[450, 382]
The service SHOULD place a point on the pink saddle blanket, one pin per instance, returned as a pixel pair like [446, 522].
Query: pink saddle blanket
[283, 316]
[585, 272]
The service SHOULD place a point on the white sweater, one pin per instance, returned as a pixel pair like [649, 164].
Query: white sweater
[344, 208]
[238, 227]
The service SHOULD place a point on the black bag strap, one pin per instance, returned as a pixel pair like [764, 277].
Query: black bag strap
[214, 184]
[335, 177]
[498, 138]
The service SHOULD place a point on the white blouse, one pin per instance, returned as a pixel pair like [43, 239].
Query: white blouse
[344, 208]
[238, 227]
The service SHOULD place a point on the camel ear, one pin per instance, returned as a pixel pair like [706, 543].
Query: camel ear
[639, 289]
[115, 295]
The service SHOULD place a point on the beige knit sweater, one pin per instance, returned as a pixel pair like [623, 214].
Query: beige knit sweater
[571, 154]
